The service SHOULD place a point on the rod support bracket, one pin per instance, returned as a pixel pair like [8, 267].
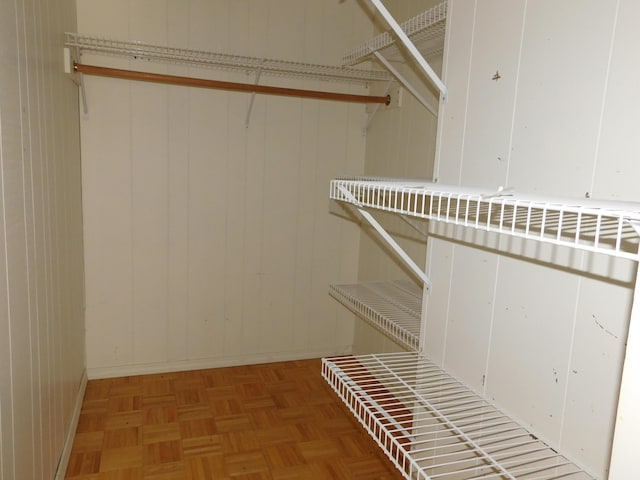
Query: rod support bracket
[71, 69]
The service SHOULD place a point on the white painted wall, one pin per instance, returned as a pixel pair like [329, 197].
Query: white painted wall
[539, 330]
[400, 143]
[41, 267]
[207, 243]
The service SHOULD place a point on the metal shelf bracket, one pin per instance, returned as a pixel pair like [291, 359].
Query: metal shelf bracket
[388, 239]
[409, 45]
[77, 77]
[252, 99]
[376, 109]
[405, 83]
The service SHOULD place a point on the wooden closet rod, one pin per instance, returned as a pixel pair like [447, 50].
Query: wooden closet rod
[238, 87]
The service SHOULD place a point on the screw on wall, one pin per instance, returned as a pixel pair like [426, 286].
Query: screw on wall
[497, 76]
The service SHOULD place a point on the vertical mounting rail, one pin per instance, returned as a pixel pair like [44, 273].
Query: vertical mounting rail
[398, 76]
[624, 454]
[415, 53]
[253, 96]
[387, 238]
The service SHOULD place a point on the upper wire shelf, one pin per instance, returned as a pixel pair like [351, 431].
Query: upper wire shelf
[222, 61]
[606, 227]
[394, 307]
[426, 30]
[431, 426]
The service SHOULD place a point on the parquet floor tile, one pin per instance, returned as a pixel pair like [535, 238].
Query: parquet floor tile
[199, 446]
[277, 421]
[121, 458]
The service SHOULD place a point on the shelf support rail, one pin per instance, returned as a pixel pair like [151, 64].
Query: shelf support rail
[387, 238]
[415, 53]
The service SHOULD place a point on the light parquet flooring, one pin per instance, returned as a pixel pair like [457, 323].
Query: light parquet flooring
[277, 421]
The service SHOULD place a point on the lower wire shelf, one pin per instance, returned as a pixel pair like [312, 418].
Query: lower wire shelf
[393, 307]
[431, 426]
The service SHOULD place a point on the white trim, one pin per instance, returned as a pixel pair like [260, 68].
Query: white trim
[624, 451]
[61, 470]
[214, 362]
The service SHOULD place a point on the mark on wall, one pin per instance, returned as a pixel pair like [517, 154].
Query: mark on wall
[603, 328]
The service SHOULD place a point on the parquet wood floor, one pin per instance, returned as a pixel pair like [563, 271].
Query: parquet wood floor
[277, 421]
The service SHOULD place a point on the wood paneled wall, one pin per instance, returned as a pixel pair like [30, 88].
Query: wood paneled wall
[540, 330]
[41, 266]
[208, 243]
[401, 143]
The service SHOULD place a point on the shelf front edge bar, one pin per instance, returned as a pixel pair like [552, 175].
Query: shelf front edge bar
[233, 86]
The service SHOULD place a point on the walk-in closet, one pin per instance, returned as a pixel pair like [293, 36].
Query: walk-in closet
[319, 239]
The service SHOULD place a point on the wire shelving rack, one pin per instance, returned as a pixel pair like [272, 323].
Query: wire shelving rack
[430, 425]
[238, 63]
[394, 307]
[609, 228]
[426, 30]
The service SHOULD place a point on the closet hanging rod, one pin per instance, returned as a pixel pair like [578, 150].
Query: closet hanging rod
[223, 85]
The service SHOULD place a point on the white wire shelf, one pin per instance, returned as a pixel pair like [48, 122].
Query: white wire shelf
[254, 65]
[426, 31]
[394, 307]
[605, 227]
[431, 426]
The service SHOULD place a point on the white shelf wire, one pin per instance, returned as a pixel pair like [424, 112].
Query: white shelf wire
[394, 307]
[426, 31]
[251, 65]
[605, 227]
[431, 426]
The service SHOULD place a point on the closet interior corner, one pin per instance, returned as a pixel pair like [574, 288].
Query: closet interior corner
[168, 212]
[430, 423]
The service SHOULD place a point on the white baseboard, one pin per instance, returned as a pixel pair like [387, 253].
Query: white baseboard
[71, 432]
[213, 362]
